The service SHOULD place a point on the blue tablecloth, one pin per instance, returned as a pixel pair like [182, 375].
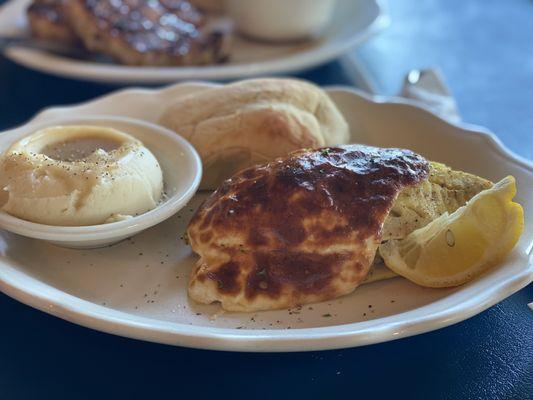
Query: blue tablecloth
[485, 50]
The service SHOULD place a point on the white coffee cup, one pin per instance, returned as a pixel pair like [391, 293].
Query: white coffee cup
[281, 20]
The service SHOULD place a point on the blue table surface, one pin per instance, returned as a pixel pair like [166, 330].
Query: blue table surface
[485, 50]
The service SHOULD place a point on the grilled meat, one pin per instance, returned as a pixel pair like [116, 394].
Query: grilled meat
[134, 32]
[153, 32]
[47, 21]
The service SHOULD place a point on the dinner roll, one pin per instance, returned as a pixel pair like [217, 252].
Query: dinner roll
[249, 122]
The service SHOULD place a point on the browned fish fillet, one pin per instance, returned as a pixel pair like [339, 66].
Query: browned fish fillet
[300, 229]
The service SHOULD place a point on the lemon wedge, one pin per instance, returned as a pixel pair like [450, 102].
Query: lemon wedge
[455, 248]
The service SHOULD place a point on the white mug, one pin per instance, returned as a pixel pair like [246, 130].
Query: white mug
[281, 20]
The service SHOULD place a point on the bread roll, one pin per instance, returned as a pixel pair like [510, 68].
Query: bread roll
[249, 122]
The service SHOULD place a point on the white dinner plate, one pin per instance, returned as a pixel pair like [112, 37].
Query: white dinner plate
[354, 21]
[137, 288]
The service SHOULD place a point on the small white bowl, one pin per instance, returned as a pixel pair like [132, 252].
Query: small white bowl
[182, 172]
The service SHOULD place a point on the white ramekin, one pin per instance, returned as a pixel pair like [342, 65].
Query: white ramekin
[182, 172]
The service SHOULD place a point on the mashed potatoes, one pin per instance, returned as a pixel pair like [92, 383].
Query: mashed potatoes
[79, 175]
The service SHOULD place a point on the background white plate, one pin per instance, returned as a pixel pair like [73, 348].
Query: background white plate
[138, 288]
[354, 21]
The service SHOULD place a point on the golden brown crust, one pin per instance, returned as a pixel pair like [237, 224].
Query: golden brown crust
[297, 230]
